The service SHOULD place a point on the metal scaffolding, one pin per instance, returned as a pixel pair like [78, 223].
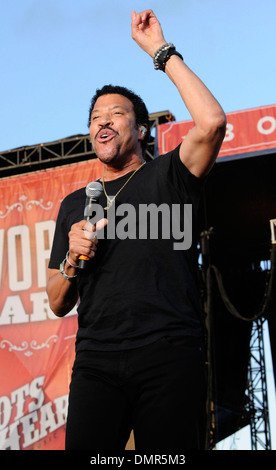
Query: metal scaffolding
[72, 149]
[257, 390]
[256, 408]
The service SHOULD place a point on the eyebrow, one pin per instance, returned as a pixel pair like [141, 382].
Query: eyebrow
[113, 107]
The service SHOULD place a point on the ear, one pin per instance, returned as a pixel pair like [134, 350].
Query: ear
[142, 131]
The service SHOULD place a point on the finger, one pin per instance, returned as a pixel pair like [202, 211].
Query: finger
[138, 18]
[90, 235]
[145, 15]
[89, 227]
[78, 226]
[89, 247]
[135, 21]
[92, 251]
[141, 17]
[91, 231]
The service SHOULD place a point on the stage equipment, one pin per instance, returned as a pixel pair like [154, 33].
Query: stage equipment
[66, 151]
[238, 285]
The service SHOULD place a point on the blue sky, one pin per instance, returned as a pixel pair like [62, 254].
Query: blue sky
[55, 53]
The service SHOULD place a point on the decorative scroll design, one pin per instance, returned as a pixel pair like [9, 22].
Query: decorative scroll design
[28, 348]
[23, 203]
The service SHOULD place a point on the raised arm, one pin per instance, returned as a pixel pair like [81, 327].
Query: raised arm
[200, 147]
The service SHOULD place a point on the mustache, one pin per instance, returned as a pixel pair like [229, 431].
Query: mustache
[106, 128]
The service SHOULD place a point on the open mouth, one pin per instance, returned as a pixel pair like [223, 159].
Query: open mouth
[105, 135]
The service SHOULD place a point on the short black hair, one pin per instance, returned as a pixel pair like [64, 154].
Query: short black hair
[140, 109]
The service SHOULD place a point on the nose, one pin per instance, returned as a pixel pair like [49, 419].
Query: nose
[105, 120]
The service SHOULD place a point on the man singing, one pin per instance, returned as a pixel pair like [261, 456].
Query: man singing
[139, 348]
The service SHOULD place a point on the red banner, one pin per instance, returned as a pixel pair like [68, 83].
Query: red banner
[36, 348]
[249, 131]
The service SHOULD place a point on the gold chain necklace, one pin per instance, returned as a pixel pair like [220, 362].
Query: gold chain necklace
[109, 200]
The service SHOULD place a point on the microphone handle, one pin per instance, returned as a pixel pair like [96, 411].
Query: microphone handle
[83, 260]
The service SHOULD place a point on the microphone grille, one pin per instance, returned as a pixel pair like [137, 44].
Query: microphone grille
[94, 190]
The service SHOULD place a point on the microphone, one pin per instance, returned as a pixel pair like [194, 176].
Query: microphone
[93, 191]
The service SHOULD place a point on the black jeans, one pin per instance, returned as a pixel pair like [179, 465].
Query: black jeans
[157, 390]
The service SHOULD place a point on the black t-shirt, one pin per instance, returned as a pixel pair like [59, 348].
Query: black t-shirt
[140, 288]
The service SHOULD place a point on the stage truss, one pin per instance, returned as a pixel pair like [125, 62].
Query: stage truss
[257, 390]
[65, 151]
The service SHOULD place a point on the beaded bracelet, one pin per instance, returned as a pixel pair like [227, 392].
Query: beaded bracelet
[163, 54]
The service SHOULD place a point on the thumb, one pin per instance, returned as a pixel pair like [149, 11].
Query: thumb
[101, 224]
[91, 231]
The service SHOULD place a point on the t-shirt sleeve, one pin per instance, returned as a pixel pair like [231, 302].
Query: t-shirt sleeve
[60, 244]
[188, 186]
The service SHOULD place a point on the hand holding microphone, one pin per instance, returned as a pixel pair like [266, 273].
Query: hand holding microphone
[83, 235]
[93, 191]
